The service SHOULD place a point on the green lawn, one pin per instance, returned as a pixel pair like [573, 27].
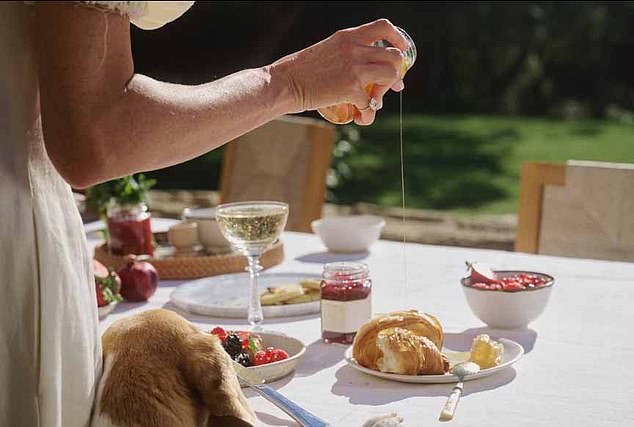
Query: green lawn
[470, 164]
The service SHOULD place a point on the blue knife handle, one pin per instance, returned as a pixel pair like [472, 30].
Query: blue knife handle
[298, 413]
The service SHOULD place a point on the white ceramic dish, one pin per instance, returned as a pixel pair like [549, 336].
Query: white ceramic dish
[508, 309]
[349, 233]
[454, 348]
[208, 231]
[106, 310]
[226, 296]
[278, 370]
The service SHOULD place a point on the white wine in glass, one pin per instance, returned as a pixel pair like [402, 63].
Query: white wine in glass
[251, 227]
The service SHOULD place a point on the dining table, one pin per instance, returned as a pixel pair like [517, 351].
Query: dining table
[578, 362]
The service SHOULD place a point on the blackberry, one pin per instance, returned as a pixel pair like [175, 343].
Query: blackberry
[244, 359]
[233, 345]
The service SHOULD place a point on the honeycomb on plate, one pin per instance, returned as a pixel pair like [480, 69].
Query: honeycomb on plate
[486, 352]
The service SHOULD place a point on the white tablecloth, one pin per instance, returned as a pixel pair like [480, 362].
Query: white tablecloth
[577, 371]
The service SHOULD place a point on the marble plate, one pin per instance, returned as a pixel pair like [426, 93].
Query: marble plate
[226, 296]
[455, 348]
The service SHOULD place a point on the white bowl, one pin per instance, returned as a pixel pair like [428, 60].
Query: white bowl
[106, 310]
[183, 235]
[208, 231]
[508, 309]
[277, 370]
[349, 233]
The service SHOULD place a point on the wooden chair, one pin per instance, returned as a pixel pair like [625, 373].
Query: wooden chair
[285, 160]
[577, 209]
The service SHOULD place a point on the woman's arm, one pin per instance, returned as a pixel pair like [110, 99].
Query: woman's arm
[101, 120]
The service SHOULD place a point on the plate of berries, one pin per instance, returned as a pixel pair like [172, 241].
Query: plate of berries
[269, 355]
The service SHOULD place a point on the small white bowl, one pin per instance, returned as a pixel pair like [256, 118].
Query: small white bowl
[208, 231]
[508, 309]
[277, 370]
[106, 310]
[349, 233]
[183, 235]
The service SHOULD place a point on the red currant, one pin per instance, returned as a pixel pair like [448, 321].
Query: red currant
[279, 354]
[260, 358]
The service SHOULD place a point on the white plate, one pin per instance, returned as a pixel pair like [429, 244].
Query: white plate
[454, 347]
[226, 296]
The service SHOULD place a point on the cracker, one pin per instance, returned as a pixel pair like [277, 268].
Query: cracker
[280, 294]
[310, 284]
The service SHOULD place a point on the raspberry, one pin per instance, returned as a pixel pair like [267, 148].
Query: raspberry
[219, 332]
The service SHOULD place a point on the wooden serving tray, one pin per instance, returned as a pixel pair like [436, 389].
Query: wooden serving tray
[179, 268]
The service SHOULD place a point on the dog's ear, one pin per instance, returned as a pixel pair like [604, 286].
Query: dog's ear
[208, 368]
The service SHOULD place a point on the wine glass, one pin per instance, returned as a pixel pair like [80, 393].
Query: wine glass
[251, 227]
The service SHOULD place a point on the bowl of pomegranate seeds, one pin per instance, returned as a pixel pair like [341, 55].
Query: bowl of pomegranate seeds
[506, 299]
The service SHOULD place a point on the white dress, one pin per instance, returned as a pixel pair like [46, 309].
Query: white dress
[50, 355]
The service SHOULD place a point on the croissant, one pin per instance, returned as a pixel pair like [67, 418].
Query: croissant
[409, 354]
[366, 350]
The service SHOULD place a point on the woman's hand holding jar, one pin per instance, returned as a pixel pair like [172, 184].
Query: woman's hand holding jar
[339, 69]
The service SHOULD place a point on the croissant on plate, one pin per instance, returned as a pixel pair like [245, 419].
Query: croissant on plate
[403, 342]
[409, 354]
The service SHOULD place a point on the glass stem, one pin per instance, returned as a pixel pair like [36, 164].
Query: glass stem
[255, 308]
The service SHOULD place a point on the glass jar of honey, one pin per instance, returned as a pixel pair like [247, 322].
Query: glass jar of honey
[345, 113]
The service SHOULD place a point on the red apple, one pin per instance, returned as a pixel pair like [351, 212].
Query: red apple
[482, 273]
[139, 280]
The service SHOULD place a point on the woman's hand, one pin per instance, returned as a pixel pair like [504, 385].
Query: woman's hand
[339, 68]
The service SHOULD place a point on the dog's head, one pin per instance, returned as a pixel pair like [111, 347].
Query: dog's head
[159, 370]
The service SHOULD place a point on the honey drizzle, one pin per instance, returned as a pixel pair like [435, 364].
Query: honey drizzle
[403, 189]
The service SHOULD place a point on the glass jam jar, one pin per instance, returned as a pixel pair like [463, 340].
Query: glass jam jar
[129, 230]
[346, 303]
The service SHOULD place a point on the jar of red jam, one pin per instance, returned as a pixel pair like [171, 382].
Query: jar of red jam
[129, 230]
[346, 303]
